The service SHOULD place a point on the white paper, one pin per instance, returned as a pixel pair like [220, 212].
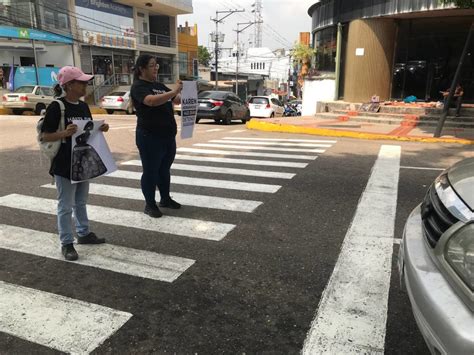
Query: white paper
[90, 154]
[189, 105]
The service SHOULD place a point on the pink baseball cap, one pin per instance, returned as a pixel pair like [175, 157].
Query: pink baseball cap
[69, 73]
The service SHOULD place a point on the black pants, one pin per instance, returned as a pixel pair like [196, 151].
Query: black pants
[157, 154]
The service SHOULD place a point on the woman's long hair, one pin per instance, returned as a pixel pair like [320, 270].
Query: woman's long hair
[142, 63]
[58, 91]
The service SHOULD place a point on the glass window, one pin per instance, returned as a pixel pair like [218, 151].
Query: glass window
[325, 43]
[183, 63]
[49, 18]
[62, 21]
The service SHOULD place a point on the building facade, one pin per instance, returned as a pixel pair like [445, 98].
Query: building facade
[391, 48]
[188, 52]
[103, 37]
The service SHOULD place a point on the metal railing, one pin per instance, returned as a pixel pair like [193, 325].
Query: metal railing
[154, 39]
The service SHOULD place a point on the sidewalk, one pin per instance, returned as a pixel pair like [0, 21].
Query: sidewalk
[337, 128]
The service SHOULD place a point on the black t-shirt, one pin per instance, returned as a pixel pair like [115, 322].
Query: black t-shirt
[158, 120]
[61, 164]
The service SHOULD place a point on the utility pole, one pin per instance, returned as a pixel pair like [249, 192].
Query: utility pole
[289, 75]
[248, 24]
[257, 43]
[217, 38]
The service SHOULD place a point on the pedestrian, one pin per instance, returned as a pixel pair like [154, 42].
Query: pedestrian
[72, 85]
[458, 94]
[155, 133]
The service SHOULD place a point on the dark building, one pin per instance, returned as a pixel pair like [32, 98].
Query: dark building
[392, 48]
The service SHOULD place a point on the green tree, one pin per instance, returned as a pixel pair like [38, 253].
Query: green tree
[303, 55]
[204, 56]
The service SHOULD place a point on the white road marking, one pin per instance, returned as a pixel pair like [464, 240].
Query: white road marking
[277, 144]
[283, 140]
[397, 241]
[245, 147]
[185, 227]
[285, 164]
[421, 168]
[217, 170]
[246, 154]
[55, 321]
[238, 131]
[352, 313]
[218, 184]
[122, 127]
[115, 258]
[215, 130]
[219, 203]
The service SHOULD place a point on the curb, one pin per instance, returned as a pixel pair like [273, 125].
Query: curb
[97, 111]
[286, 128]
[5, 111]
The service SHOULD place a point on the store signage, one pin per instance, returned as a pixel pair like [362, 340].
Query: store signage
[107, 40]
[106, 6]
[31, 34]
[27, 76]
[360, 52]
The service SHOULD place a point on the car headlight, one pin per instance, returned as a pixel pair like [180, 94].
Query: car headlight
[459, 253]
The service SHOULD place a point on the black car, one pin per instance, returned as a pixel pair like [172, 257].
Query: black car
[221, 106]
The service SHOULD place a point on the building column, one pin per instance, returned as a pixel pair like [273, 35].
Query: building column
[369, 59]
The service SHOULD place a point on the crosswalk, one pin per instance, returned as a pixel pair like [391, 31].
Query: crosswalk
[233, 174]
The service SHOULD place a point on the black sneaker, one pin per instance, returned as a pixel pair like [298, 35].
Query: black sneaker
[170, 204]
[69, 252]
[153, 211]
[91, 238]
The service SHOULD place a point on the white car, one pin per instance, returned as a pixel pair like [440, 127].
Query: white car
[29, 98]
[265, 106]
[117, 101]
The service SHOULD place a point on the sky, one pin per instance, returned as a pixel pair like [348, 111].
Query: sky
[283, 21]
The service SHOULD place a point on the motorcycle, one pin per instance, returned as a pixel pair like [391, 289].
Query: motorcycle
[291, 110]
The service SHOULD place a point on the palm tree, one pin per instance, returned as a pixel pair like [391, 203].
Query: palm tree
[303, 55]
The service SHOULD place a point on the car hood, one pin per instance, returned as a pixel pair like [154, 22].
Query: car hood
[461, 177]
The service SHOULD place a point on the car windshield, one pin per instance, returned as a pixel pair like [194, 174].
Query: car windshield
[215, 95]
[258, 100]
[117, 93]
[25, 89]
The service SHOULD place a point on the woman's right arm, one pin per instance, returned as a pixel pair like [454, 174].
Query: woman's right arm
[51, 124]
[55, 136]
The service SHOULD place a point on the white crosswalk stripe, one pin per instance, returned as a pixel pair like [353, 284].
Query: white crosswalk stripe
[115, 258]
[185, 227]
[218, 184]
[246, 147]
[285, 164]
[55, 321]
[212, 202]
[282, 140]
[218, 170]
[215, 130]
[244, 144]
[246, 154]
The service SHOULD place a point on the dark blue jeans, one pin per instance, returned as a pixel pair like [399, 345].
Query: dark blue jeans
[157, 155]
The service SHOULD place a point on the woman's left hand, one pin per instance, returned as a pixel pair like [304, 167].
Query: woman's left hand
[104, 127]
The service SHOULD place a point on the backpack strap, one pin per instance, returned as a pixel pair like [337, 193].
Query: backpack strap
[61, 122]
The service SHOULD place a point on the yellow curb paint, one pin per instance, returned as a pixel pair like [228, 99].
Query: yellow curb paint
[5, 111]
[273, 127]
[98, 111]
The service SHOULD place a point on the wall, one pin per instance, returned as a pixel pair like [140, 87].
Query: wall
[57, 55]
[370, 72]
[188, 43]
[315, 91]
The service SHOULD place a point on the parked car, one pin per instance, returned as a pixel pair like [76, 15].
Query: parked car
[221, 106]
[436, 261]
[29, 98]
[265, 106]
[117, 101]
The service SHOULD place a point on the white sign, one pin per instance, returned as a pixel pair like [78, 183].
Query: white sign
[90, 154]
[189, 103]
[360, 52]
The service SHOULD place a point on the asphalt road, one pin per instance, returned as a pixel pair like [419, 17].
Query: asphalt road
[252, 289]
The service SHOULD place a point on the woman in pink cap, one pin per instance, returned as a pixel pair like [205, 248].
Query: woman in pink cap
[72, 84]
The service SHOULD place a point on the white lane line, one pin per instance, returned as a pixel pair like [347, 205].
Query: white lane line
[238, 131]
[212, 202]
[218, 184]
[215, 130]
[283, 140]
[216, 170]
[245, 147]
[246, 154]
[122, 127]
[140, 263]
[55, 321]
[421, 168]
[186, 227]
[277, 144]
[397, 241]
[285, 164]
[352, 313]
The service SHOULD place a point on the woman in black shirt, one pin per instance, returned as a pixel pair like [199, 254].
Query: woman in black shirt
[156, 132]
